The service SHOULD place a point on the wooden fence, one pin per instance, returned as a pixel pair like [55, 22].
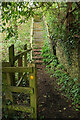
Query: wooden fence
[13, 77]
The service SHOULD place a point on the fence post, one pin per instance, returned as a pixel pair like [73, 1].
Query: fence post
[25, 64]
[11, 61]
[31, 34]
[33, 97]
[25, 56]
[30, 53]
[20, 64]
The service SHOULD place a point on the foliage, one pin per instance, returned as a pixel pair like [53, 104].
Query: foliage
[23, 35]
[66, 84]
[67, 34]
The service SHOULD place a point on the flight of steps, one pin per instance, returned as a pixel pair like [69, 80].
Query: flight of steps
[37, 41]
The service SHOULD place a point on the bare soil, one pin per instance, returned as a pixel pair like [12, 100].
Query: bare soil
[51, 104]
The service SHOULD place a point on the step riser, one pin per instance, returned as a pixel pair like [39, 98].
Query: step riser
[37, 58]
[38, 41]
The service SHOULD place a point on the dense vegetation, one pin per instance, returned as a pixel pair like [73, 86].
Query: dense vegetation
[62, 19]
[63, 26]
[65, 83]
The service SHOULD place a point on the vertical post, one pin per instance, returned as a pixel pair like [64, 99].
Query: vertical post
[7, 82]
[11, 61]
[31, 39]
[33, 97]
[9, 94]
[79, 61]
[20, 64]
[30, 53]
[11, 55]
[25, 56]
[25, 64]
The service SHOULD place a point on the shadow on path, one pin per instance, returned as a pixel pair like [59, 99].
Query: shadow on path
[51, 104]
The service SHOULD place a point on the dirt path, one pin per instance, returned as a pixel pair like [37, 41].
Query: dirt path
[50, 103]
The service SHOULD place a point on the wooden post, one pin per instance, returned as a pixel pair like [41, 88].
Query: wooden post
[33, 97]
[20, 64]
[11, 55]
[31, 39]
[30, 53]
[25, 56]
[7, 82]
[11, 61]
[25, 64]
[79, 62]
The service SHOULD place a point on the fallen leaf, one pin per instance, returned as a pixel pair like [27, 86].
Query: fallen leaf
[69, 105]
[44, 96]
[60, 111]
[77, 105]
[64, 108]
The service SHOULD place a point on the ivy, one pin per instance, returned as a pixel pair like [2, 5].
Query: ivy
[65, 83]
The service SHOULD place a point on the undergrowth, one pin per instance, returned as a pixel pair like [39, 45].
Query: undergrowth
[65, 83]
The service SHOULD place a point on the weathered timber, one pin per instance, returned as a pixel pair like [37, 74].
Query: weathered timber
[30, 52]
[20, 64]
[11, 61]
[17, 69]
[11, 55]
[25, 90]
[9, 94]
[6, 80]
[21, 79]
[19, 108]
[21, 54]
[6, 64]
[33, 97]
[25, 55]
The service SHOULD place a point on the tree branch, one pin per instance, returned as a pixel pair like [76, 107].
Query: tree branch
[63, 20]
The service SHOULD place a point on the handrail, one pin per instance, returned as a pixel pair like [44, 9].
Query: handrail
[16, 69]
[31, 38]
[21, 54]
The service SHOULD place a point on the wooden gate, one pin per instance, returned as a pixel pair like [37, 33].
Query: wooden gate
[19, 82]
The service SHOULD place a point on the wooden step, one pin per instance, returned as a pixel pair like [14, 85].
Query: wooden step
[37, 53]
[37, 29]
[39, 66]
[38, 38]
[38, 61]
[38, 57]
[37, 50]
[39, 42]
[37, 47]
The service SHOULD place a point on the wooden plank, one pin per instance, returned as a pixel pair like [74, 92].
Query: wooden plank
[19, 108]
[21, 54]
[6, 80]
[33, 97]
[11, 55]
[19, 65]
[25, 90]
[17, 69]
[21, 79]
[25, 64]
[11, 61]
[25, 56]
[30, 52]
[6, 64]
[9, 94]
